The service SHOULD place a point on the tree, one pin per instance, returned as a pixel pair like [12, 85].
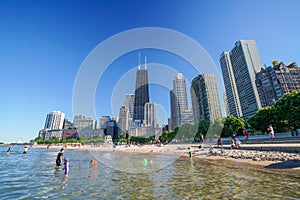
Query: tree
[202, 128]
[186, 132]
[262, 118]
[283, 115]
[232, 125]
[287, 110]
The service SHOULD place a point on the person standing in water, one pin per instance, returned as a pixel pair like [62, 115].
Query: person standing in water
[66, 166]
[59, 158]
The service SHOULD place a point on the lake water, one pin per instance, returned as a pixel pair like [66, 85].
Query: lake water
[32, 176]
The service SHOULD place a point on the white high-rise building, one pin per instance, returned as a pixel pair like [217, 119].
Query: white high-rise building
[54, 120]
[239, 67]
[178, 100]
[150, 115]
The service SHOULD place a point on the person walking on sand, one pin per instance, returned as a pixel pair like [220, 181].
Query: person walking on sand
[271, 131]
[219, 141]
[246, 134]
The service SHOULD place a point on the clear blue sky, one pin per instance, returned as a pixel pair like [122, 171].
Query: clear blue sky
[43, 43]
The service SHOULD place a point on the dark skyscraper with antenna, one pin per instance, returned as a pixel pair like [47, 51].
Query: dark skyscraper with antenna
[141, 92]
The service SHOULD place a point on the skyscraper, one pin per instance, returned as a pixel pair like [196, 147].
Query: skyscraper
[129, 103]
[123, 120]
[150, 115]
[54, 120]
[141, 93]
[205, 98]
[231, 91]
[239, 70]
[178, 100]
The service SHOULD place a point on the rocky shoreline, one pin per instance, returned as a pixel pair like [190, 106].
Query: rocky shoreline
[260, 155]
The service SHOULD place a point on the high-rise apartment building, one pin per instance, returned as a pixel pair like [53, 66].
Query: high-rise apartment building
[205, 98]
[141, 93]
[123, 120]
[178, 100]
[55, 120]
[274, 81]
[239, 67]
[231, 91]
[150, 115]
[129, 103]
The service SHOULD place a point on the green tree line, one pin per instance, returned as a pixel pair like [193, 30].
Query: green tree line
[283, 115]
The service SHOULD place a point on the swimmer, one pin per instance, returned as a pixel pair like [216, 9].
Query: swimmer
[25, 150]
[66, 166]
[8, 151]
[94, 163]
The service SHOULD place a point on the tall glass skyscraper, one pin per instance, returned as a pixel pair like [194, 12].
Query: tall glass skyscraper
[239, 70]
[205, 98]
[141, 93]
[178, 100]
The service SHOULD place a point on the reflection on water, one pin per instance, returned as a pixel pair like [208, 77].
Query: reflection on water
[33, 176]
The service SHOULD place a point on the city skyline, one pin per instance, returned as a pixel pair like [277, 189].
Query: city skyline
[44, 43]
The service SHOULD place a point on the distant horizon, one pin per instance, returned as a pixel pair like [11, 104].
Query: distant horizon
[44, 44]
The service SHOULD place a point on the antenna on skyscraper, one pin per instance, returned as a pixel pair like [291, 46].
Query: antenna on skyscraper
[145, 62]
[139, 60]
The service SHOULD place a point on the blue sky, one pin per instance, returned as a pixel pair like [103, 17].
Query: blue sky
[43, 44]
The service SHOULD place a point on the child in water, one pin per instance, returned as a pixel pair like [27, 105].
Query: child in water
[66, 166]
[190, 152]
[94, 163]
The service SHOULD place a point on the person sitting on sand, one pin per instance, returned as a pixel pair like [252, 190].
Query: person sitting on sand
[212, 151]
[237, 144]
[232, 144]
[222, 151]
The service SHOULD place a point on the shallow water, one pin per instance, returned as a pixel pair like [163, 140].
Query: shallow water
[32, 176]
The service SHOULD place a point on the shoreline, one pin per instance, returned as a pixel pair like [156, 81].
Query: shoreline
[270, 161]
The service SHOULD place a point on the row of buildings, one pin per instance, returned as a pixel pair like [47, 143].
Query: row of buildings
[56, 125]
[249, 86]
